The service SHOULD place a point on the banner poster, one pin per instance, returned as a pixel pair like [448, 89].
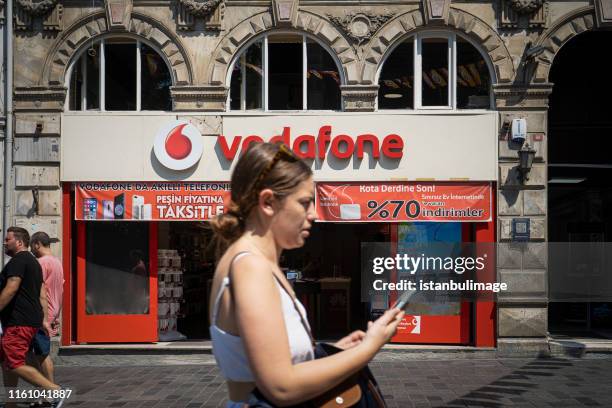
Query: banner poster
[404, 201]
[153, 201]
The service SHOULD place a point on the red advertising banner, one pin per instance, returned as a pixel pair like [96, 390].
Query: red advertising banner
[403, 201]
[153, 201]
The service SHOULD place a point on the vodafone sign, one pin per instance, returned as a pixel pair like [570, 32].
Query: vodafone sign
[339, 147]
[321, 143]
[178, 145]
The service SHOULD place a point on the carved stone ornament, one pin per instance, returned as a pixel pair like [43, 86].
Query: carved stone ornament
[360, 26]
[37, 7]
[200, 8]
[118, 13]
[603, 13]
[526, 6]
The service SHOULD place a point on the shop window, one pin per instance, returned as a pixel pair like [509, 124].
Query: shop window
[285, 72]
[285, 68]
[473, 79]
[116, 272]
[434, 71]
[247, 79]
[397, 79]
[119, 75]
[434, 64]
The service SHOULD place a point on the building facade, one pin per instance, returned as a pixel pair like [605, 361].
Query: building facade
[213, 63]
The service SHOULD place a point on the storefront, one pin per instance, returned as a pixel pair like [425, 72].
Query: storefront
[140, 264]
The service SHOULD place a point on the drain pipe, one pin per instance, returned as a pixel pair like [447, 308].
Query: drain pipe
[7, 186]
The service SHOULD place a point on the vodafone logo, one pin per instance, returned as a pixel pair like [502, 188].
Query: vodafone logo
[178, 145]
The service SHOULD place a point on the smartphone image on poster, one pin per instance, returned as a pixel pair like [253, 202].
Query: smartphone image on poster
[90, 208]
[120, 206]
[137, 207]
[147, 212]
[108, 210]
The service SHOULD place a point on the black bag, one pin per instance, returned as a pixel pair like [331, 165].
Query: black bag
[360, 390]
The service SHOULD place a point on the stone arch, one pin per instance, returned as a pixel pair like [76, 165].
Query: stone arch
[458, 20]
[562, 31]
[93, 26]
[260, 23]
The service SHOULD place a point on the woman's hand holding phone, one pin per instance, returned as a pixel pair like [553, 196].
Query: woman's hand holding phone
[380, 331]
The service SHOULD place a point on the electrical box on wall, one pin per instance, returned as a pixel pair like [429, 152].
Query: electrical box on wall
[519, 130]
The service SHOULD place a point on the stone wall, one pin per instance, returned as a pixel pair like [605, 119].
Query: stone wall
[520, 40]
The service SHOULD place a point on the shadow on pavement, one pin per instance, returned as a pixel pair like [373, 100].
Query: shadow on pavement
[513, 385]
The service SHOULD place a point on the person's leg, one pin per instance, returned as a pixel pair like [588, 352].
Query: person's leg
[41, 346]
[46, 367]
[16, 343]
[10, 381]
[34, 377]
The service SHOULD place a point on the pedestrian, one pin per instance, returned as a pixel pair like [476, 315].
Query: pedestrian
[259, 330]
[23, 312]
[53, 278]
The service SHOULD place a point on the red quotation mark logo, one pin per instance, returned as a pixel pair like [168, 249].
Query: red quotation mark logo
[178, 145]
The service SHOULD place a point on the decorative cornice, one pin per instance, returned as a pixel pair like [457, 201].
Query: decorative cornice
[543, 89]
[526, 6]
[37, 7]
[361, 25]
[200, 8]
[193, 93]
[45, 93]
[40, 98]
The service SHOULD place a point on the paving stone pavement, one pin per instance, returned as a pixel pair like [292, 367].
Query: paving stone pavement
[193, 381]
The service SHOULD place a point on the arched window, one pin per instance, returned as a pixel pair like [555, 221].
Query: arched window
[119, 74]
[284, 72]
[434, 71]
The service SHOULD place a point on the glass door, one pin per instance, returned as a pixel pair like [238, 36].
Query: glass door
[432, 317]
[116, 282]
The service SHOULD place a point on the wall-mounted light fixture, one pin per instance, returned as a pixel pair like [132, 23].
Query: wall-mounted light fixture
[526, 156]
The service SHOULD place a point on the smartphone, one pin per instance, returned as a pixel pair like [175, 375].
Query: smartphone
[90, 208]
[403, 300]
[120, 206]
[137, 207]
[108, 212]
[146, 212]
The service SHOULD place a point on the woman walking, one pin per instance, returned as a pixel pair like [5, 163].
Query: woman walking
[258, 328]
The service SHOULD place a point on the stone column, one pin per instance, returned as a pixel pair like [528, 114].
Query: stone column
[522, 316]
[37, 193]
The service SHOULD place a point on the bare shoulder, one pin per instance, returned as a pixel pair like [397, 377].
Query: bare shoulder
[251, 267]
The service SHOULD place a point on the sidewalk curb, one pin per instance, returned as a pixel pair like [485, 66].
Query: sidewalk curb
[536, 349]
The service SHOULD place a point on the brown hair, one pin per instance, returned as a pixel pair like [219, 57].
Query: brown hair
[263, 165]
[20, 234]
[41, 238]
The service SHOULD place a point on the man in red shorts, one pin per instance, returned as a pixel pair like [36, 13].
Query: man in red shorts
[21, 296]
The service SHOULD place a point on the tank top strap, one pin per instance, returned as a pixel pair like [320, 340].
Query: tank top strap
[224, 284]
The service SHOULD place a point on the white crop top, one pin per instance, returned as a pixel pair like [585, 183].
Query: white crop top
[229, 350]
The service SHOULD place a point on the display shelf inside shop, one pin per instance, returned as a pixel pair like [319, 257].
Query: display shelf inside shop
[192, 242]
[169, 294]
